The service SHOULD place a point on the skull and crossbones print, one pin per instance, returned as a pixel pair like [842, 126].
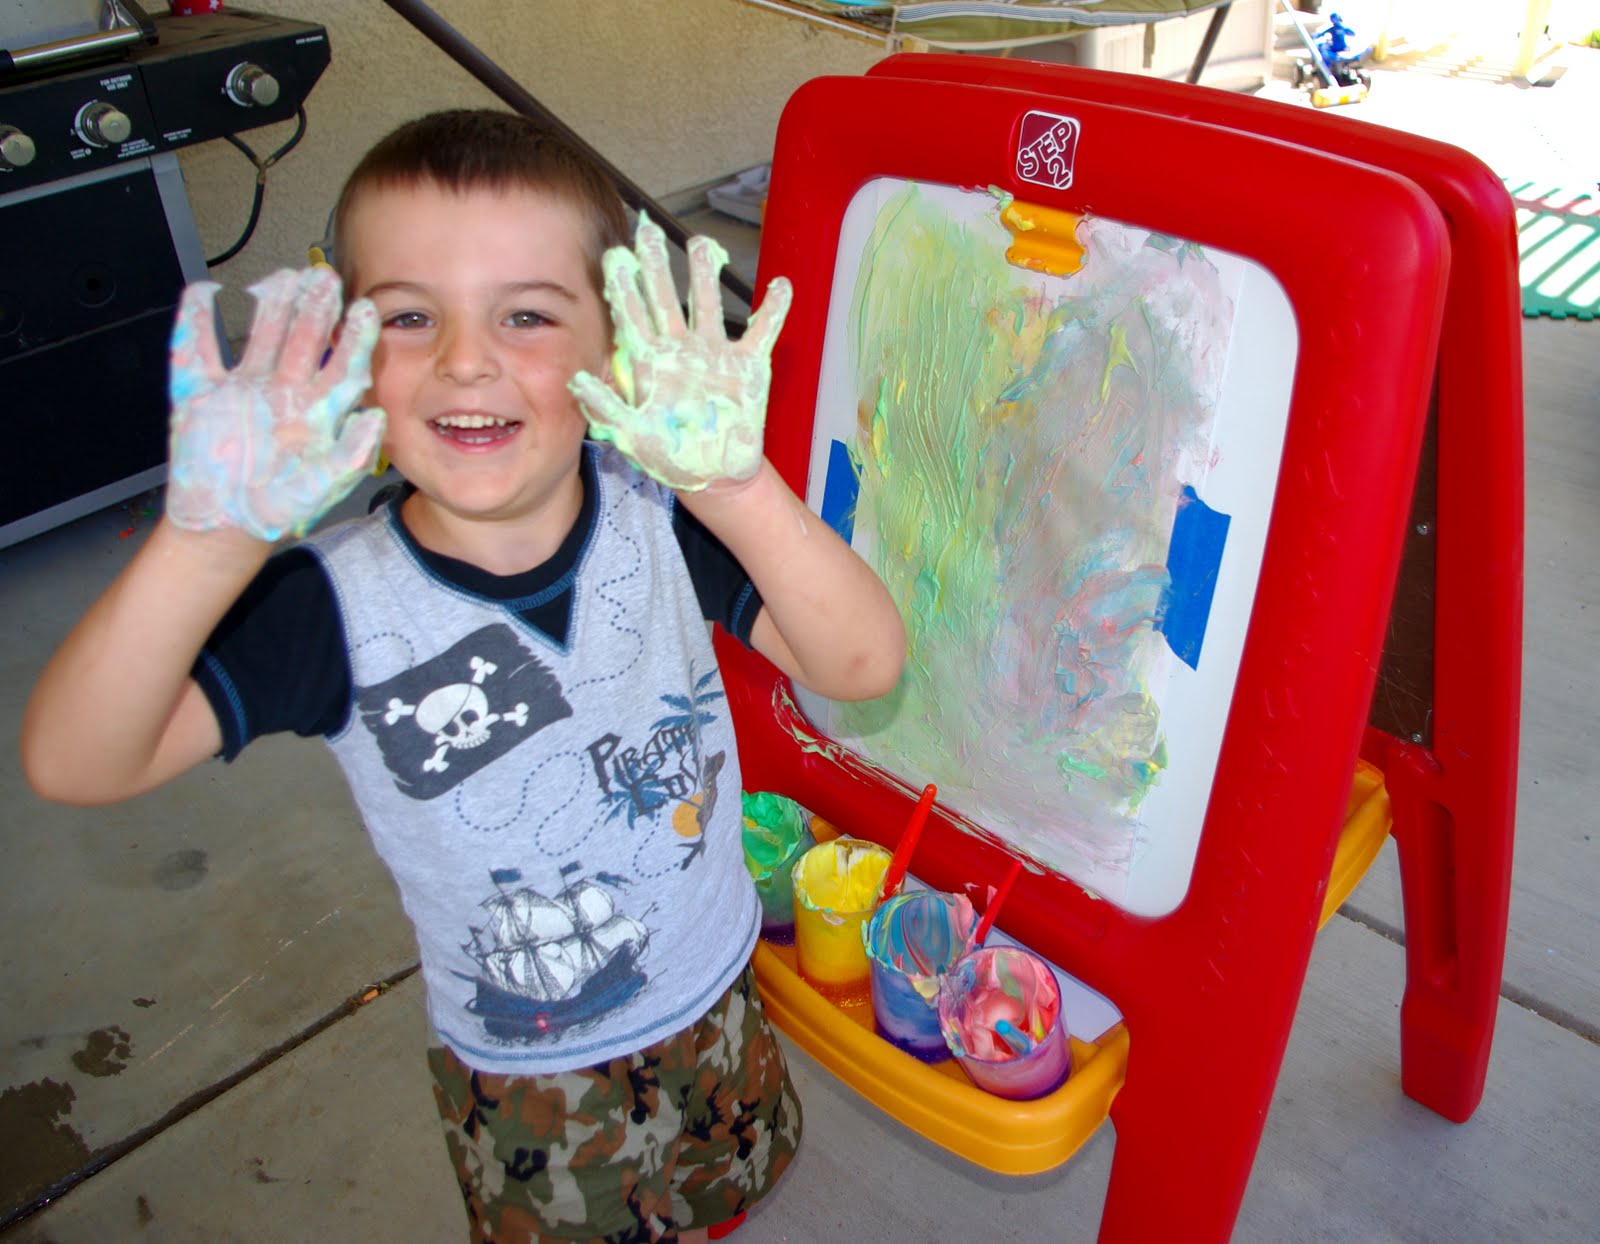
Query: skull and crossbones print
[457, 715]
[440, 721]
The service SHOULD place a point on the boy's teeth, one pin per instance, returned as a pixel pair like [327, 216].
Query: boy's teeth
[470, 421]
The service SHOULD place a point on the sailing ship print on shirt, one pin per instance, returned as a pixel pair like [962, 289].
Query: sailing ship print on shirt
[549, 964]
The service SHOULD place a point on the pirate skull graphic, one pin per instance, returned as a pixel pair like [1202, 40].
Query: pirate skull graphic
[458, 715]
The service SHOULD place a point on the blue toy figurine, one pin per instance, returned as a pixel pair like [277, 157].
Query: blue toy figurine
[1336, 44]
[1333, 68]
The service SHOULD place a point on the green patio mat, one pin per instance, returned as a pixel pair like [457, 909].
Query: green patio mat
[1558, 249]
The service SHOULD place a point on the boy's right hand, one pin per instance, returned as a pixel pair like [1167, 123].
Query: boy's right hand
[268, 447]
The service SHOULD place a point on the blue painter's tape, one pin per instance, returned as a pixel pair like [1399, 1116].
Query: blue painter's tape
[1193, 559]
[839, 491]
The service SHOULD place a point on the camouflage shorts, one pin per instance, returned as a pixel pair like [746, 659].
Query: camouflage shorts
[685, 1133]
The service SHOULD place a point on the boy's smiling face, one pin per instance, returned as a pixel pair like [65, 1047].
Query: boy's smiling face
[487, 309]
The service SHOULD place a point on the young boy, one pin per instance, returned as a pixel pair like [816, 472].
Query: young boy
[510, 660]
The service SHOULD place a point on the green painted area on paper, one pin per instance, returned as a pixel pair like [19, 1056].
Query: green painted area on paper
[1018, 445]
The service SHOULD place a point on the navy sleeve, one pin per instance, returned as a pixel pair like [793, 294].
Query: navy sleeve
[276, 661]
[721, 585]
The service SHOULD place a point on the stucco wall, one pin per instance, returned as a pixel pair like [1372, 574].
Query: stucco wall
[675, 93]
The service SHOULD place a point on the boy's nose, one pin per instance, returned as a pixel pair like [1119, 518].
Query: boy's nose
[466, 356]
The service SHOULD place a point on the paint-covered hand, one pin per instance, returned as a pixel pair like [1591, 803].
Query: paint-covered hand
[689, 407]
[269, 446]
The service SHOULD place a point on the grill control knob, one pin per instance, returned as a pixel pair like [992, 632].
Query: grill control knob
[101, 125]
[251, 86]
[16, 148]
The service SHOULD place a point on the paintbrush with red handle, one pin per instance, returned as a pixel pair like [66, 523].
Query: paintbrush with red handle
[992, 908]
[901, 859]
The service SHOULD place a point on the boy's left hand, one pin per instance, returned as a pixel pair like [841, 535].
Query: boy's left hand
[690, 406]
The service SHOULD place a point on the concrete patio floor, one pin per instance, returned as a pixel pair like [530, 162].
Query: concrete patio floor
[212, 1030]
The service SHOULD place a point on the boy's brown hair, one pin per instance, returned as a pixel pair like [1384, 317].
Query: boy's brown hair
[483, 148]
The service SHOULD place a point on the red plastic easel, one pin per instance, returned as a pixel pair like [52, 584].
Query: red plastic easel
[1449, 757]
[1228, 963]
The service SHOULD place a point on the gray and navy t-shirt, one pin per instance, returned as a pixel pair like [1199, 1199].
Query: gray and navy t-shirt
[561, 815]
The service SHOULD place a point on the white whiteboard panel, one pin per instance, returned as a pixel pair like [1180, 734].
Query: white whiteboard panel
[1066, 483]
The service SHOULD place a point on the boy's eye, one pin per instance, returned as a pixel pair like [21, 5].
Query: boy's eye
[406, 319]
[527, 319]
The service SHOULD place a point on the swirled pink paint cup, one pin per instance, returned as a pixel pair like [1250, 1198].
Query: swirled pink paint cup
[1000, 1012]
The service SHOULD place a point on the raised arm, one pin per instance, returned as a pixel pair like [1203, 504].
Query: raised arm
[689, 409]
[826, 619]
[258, 451]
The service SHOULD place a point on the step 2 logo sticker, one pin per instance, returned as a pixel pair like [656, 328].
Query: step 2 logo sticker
[1046, 148]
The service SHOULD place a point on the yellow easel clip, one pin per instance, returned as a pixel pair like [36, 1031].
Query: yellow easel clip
[1044, 239]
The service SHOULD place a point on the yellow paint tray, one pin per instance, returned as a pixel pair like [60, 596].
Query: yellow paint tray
[1012, 1137]
[937, 1099]
[940, 1102]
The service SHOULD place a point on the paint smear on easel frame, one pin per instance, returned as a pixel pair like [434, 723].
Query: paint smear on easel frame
[1065, 483]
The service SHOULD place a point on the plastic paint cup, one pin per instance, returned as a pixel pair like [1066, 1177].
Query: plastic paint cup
[835, 890]
[776, 833]
[1000, 1011]
[911, 940]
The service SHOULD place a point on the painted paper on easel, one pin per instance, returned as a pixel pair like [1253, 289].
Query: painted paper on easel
[1029, 464]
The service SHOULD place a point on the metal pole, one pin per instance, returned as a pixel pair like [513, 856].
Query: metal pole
[1311, 46]
[1209, 41]
[461, 50]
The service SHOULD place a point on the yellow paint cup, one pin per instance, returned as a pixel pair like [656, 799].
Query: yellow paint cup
[835, 891]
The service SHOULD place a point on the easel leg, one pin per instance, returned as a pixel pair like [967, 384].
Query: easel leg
[1455, 872]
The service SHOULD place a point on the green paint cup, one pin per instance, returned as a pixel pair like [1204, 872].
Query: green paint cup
[776, 832]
